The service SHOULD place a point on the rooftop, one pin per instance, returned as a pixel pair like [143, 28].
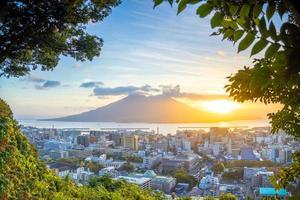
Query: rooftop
[139, 181]
[272, 192]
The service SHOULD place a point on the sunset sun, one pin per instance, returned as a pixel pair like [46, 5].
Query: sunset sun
[220, 106]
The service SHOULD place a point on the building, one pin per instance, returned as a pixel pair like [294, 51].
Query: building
[61, 169]
[111, 171]
[271, 192]
[58, 154]
[250, 172]
[188, 161]
[216, 149]
[261, 179]
[217, 133]
[80, 175]
[162, 183]
[150, 161]
[115, 164]
[56, 145]
[142, 182]
[83, 140]
[130, 141]
[248, 154]
[208, 182]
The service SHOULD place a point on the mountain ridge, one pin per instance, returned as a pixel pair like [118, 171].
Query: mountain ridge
[145, 109]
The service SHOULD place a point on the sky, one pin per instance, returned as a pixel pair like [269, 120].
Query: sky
[146, 50]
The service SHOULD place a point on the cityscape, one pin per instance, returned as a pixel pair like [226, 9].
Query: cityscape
[194, 163]
[150, 100]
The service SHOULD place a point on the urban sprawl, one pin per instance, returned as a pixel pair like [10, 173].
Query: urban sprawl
[194, 162]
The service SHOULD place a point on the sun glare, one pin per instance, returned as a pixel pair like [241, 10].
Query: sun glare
[220, 106]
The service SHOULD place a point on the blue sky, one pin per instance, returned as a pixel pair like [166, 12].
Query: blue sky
[145, 49]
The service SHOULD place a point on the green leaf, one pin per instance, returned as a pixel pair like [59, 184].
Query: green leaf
[204, 10]
[272, 49]
[270, 10]
[228, 33]
[182, 6]
[263, 27]
[157, 2]
[257, 10]
[259, 46]
[193, 1]
[272, 31]
[233, 9]
[246, 42]
[245, 11]
[217, 19]
[170, 2]
[237, 35]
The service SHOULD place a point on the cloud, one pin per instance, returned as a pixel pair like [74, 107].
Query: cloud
[33, 79]
[174, 91]
[123, 90]
[91, 84]
[48, 84]
[169, 90]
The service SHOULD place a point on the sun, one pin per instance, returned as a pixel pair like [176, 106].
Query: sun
[220, 106]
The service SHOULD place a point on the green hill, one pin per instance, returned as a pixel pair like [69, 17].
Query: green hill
[24, 176]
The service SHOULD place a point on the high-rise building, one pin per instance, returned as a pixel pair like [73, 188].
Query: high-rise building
[216, 134]
[130, 141]
[83, 140]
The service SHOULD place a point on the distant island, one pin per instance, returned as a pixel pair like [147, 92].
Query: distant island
[149, 109]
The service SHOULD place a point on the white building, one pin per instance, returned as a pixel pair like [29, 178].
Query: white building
[142, 182]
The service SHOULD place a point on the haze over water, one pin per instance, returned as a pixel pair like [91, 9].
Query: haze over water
[163, 128]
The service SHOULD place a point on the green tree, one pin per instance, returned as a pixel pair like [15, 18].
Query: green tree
[34, 33]
[249, 163]
[94, 167]
[218, 168]
[209, 198]
[183, 177]
[227, 196]
[274, 76]
[236, 174]
[127, 167]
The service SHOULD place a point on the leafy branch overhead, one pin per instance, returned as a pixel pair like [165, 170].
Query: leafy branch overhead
[271, 29]
[35, 33]
[235, 19]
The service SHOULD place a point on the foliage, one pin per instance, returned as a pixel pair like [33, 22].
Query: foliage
[275, 77]
[249, 163]
[127, 167]
[227, 196]
[24, 176]
[35, 33]
[218, 168]
[209, 198]
[233, 175]
[4, 109]
[70, 161]
[94, 167]
[183, 177]
[132, 158]
[184, 198]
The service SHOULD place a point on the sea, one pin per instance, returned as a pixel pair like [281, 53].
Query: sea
[163, 128]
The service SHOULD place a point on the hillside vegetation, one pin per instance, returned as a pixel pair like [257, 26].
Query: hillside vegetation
[24, 176]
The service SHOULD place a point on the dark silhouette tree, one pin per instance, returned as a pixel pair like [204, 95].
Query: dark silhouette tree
[35, 33]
